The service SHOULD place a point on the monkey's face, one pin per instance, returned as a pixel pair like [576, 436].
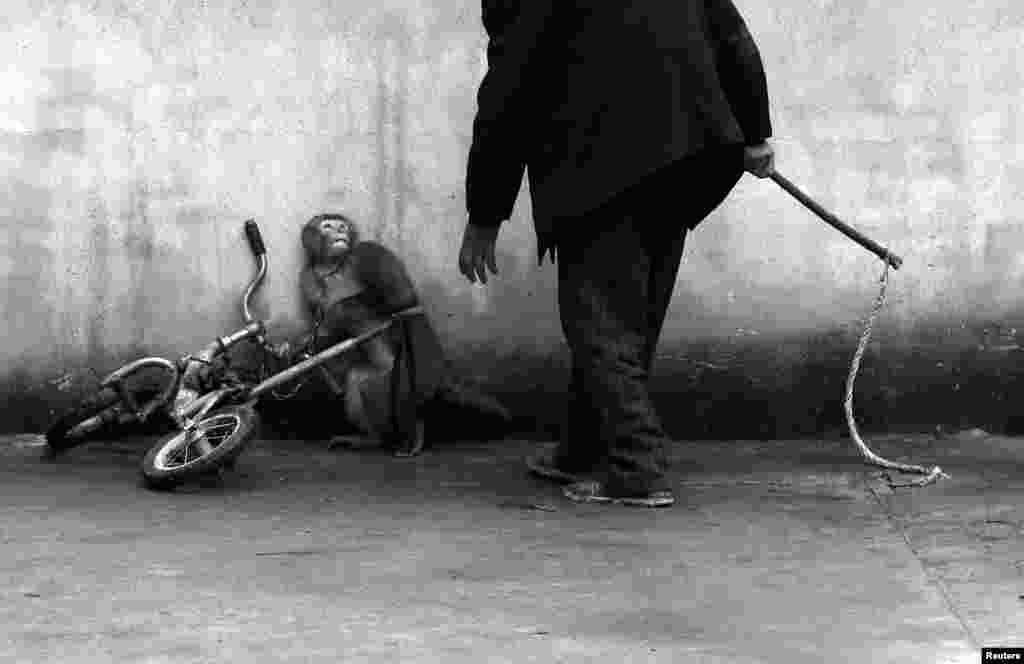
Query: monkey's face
[335, 238]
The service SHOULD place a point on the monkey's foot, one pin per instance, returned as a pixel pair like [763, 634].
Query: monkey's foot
[353, 442]
[415, 445]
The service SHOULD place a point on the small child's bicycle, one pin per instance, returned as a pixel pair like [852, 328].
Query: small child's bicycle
[210, 409]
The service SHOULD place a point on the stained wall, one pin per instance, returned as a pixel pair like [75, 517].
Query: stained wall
[138, 135]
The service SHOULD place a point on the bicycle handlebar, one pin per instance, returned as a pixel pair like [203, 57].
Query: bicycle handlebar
[253, 328]
[252, 232]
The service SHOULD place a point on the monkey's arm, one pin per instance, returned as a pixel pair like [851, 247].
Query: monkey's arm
[387, 287]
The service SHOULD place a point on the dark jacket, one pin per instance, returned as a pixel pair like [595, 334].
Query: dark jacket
[591, 96]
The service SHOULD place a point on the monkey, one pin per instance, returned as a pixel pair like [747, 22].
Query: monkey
[350, 285]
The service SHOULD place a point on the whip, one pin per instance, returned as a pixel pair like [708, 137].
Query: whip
[891, 260]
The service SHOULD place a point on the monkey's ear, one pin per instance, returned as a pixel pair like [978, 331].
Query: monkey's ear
[311, 241]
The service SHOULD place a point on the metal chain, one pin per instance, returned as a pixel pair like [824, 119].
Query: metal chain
[309, 348]
[931, 474]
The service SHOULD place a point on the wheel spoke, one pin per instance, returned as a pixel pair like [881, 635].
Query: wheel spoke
[222, 431]
[191, 447]
[203, 445]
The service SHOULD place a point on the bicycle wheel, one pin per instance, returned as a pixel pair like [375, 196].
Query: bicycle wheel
[216, 440]
[77, 425]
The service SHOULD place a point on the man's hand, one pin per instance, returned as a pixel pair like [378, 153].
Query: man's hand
[477, 253]
[759, 160]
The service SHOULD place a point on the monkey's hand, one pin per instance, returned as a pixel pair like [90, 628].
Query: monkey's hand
[283, 350]
[288, 349]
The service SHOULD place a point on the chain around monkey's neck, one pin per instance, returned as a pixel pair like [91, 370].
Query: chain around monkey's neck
[322, 271]
[335, 282]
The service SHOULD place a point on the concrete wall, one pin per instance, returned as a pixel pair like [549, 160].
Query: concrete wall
[138, 135]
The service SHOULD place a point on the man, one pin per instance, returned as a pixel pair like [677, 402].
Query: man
[634, 120]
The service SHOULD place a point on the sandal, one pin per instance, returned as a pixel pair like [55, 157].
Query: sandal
[594, 492]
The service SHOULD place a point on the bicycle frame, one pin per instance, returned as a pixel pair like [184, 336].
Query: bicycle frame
[167, 398]
[114, 381]
[181, 370]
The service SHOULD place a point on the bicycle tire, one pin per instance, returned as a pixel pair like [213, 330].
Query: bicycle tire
[57, 436]
[160, 472]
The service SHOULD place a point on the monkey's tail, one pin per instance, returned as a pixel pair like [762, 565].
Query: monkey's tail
[465, 396]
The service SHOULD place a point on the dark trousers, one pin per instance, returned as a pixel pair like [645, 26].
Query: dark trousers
[617, 269]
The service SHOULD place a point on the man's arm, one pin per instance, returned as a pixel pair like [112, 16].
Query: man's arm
[741, 70]
[497, 156]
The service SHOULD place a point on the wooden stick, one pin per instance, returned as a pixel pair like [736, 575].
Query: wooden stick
[855, 235]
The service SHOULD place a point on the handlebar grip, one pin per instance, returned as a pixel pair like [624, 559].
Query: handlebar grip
[252, 231]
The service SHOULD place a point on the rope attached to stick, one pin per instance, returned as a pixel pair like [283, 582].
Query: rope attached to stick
[890, 260]
[931, 474]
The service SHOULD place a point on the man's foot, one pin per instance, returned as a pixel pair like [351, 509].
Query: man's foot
[543, 465]
[595, 492]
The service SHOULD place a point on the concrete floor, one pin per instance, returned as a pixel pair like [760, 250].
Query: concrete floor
[775, 552]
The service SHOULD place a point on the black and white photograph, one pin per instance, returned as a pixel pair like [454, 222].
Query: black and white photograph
[551, 331]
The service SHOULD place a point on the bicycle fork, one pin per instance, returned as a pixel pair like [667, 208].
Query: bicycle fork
[189, 417]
